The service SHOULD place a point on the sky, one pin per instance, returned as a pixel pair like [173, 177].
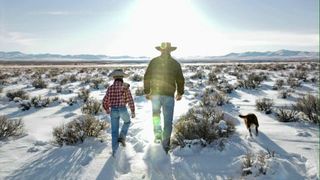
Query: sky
[135, 27]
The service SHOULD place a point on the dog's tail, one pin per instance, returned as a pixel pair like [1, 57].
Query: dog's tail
[242, 116]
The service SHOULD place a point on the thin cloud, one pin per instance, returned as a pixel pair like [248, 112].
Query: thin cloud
[53, 13]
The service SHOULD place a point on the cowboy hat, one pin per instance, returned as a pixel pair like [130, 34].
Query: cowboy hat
[118, 73]
[166, 46]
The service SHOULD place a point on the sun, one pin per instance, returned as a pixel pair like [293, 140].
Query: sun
[176, 21]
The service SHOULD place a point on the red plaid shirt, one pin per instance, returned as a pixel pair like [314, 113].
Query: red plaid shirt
[118, 95]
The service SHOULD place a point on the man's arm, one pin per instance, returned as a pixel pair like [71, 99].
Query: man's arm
[180, 80]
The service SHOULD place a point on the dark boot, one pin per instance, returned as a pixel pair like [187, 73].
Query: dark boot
[122, 141]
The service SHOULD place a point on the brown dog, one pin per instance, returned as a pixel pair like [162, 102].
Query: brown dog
[249, 120]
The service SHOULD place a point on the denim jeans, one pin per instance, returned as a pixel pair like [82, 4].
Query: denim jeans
[167, 105]
[116, 114]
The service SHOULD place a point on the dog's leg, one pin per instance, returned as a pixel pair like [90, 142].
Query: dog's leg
[257, 132]
[250, 131]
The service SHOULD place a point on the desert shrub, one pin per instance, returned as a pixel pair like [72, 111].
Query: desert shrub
[285, 114]
[278, 84]
[10, 127]
[247, 163]
[39, 83]
[264, 104]
[252, 81]
[220, 98]
[17, 94]
[309, 105]
[95, 83]
[300, 74]
[203, 123]
[77, 130]
[58, 89]
[198, 75]
[25, 105]
[212, 78]
[71, 101]
[40, 101]
[139, 91]
[73, 78]
[284, 94]
[84, 94]
[92, 107]
[136, 77]
[64, 81]
[225, 87]
[293, 82]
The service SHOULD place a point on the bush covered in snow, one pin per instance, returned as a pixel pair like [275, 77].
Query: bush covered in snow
[40, 101]
[310, 106]
[200, 74]
[92, 106]
[204, 122]
[257, 164]
[251, 81]
[293, 82]
[278, 84]
[264, 104]
[84, 94]
[39, 83]
[139, 91]
[17, 94]
[77, 130]
[96, 83]
[10, 127]
[136, 77]
[285, 114]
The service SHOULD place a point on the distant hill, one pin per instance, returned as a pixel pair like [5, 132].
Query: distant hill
[16, 55]
[249, 56]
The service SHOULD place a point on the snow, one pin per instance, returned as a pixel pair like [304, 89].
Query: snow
[291, 149]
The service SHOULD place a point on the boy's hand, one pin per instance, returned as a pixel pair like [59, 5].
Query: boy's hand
[133, 115]
[178, 97]
[148, 96]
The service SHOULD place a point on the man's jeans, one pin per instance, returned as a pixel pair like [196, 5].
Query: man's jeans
[167, 105]
[116, 114]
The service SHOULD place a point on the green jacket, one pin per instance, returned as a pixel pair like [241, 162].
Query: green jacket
[163, 77]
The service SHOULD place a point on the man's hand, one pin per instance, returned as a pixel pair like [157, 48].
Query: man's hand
[133, 115]
[178, 97]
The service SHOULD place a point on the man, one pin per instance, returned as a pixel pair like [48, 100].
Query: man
[118, 95]
[161, 80]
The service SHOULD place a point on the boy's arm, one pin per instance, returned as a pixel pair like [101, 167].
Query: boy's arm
[130, 101]
[106, 102]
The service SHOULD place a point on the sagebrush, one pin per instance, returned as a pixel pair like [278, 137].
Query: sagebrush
[77, 130]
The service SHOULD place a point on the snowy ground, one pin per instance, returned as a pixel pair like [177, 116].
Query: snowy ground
[35, 156]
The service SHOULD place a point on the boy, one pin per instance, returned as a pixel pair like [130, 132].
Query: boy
[114, 102]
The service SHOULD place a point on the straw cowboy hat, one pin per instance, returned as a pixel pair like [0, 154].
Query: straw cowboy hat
[166, 46]
[118, 73]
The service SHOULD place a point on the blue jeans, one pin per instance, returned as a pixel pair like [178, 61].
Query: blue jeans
[167, 105]
[116, 114]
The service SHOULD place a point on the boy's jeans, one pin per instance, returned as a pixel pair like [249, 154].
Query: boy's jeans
[167, 104]
[116, 114]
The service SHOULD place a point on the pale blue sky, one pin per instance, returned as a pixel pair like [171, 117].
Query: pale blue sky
[134, 27]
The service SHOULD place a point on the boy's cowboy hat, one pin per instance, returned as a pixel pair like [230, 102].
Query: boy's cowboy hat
[166, 46]
[118, 73]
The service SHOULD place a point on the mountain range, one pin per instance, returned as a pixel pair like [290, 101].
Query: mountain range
[250, 55]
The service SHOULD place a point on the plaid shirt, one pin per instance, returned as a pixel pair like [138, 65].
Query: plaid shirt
[118, 95]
